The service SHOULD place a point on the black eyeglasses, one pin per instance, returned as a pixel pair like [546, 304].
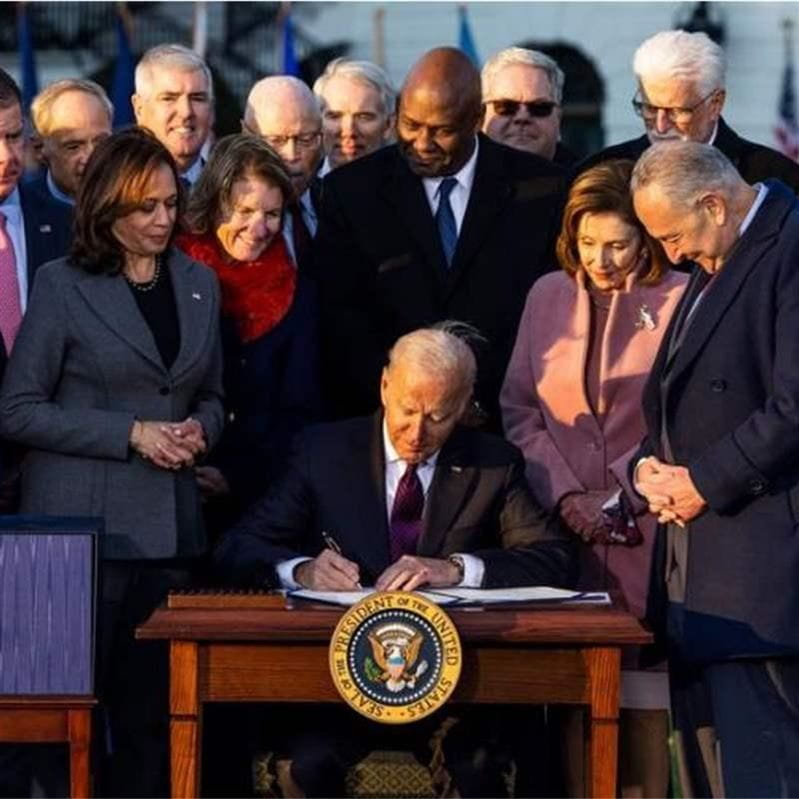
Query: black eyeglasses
[679, 115]
[509, 108]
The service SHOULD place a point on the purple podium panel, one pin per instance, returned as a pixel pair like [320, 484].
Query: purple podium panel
[47, 600]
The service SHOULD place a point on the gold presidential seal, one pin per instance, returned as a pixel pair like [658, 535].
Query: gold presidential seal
[395, 657]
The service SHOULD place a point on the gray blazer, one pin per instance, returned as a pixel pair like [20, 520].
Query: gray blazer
[84, 367]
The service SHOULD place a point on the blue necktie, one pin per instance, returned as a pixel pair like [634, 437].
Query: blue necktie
[445, 219]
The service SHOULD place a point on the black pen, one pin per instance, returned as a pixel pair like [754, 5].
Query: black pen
[332, 544]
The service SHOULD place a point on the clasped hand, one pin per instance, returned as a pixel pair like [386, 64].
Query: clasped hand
[168, 445]
[669, 491]
[330, 571]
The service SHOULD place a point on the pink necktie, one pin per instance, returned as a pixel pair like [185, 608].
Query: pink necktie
[10, 305]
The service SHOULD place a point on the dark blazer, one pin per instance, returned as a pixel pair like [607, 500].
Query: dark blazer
[382, 270]
[48, 227]
[84, 367]
[478, 502]
[755, 162]
[730, 400]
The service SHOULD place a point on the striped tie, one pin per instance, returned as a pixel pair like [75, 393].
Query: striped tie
[10, 304]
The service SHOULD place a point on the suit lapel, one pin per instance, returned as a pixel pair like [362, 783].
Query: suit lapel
[453, 482]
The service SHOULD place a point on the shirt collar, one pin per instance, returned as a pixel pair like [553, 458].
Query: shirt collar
[12, 206]
[56, 192]
[393, 457]
[325, 168]
[193, 172]
[762, 191]
[464, 176]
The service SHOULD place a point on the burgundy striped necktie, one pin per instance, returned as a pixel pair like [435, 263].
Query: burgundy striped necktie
[10, 303]
[406, 514]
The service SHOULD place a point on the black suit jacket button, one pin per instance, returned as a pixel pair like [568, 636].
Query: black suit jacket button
[757, 486]
[163, 391]
[718, 385]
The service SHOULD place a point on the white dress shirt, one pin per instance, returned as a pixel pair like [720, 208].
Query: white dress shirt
[459, 196]
[473, 567]
[15, 226]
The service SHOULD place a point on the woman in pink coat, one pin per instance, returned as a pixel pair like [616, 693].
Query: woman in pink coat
[571, 401]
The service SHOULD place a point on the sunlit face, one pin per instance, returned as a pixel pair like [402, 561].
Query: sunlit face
[420, 411]
[535, 134]
[12, 149]
[78, 123]
[178, 110]
[354, 122]
[294, 131]
[256, 210]
[435, 136]
[702, 234]
[674, 93]
[146, 231]
[609, 249]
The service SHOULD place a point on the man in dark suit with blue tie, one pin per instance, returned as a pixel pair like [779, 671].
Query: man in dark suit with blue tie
[720, 467]
[446, 224]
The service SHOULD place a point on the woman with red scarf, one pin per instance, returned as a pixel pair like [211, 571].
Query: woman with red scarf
[269, 316]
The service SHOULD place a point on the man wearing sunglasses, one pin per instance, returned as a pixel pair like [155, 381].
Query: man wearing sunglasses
[522, 93]
[681, 93]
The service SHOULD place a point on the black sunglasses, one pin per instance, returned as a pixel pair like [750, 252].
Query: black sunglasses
[536, 108]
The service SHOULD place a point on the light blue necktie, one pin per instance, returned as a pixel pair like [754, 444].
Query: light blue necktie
[445, 219]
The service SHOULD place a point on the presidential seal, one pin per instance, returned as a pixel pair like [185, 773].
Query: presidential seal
[395, 657]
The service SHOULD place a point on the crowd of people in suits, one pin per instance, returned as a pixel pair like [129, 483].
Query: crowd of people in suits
[415, 320]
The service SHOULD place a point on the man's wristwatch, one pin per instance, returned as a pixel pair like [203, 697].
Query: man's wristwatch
[457, 562]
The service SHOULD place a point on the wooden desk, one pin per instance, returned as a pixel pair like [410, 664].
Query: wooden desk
[515, 654]
[53, 719]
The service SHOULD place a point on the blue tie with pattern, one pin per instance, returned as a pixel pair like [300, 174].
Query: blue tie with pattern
[445, 219]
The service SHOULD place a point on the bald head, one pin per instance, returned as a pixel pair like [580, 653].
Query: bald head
[283, 111]
[439, 112]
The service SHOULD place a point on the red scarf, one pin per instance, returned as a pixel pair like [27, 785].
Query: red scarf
[255, 294]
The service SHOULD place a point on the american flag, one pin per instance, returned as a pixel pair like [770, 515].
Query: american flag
[787, 129]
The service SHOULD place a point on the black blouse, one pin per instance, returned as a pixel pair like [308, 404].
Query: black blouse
[159, 310]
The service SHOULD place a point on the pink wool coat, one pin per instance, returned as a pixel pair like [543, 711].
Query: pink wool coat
[546, 412]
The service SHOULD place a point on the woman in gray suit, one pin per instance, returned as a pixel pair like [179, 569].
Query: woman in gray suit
[114, 388]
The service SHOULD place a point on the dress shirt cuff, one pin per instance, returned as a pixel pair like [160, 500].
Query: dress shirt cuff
[473, 570]
[285, 573]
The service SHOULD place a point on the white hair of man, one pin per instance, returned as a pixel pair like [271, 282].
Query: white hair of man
[42, 105]
[530, 58]
[360, 72]
[169, 56]
[282, 89]
[441, 351]
[679, 55]
[684, 171]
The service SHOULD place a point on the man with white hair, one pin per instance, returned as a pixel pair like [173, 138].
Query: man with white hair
[283, 111]
[175, 100]
[71, 117]
[357, 102]
[681, 93]
[720, 467]
[522, 95]
[400, 500]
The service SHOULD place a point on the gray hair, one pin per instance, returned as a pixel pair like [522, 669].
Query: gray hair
[42, 105]
[680, 55]
[684, 170]
[530, 58]
[361, 72]
[279, 88]
[170, 56]
[442, 350]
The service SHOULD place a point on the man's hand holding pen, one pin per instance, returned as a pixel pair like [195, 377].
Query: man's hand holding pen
[328, 571]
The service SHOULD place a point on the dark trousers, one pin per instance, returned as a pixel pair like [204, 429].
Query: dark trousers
[737, 727]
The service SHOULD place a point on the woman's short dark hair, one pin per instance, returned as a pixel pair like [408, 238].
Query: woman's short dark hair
[232, 158]
[113, 186]
[603, 189]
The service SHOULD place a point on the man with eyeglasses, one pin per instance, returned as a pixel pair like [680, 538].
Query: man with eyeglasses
[681, 93]
[522, 93]
[282, 110]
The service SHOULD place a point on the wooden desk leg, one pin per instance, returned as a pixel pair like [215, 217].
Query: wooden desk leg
[603, 666]
[79, 725]
[184, 720]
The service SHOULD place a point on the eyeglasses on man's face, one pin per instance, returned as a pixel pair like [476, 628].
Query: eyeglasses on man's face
[509, 108]
[677, 115]
[303, 141]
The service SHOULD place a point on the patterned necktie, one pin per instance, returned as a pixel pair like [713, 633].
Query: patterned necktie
[300, 234]
[445, 219]
[406, 514]
[186, 184]
[10, 304]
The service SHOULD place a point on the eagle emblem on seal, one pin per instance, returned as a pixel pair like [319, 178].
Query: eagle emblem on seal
[395, 651]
